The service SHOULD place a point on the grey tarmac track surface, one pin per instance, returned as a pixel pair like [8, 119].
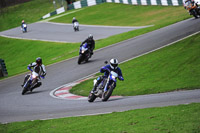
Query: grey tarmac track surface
[40, 105]
[58, 32]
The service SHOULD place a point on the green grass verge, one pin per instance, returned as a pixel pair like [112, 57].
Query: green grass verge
[178, 119]
[126, 15]
[175, 67]
[18, 53]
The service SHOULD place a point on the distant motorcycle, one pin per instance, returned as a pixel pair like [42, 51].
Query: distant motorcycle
[30, 83]
[105, 88]
[76, 26]
[192, 8]
[84, 54]
[24, 28]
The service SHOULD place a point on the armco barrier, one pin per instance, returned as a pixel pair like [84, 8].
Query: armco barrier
[84, 3]
[58, 11]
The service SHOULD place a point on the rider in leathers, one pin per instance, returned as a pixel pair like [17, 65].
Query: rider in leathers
[91, 43]
[39, 68]
[106, 69]
[74, 20]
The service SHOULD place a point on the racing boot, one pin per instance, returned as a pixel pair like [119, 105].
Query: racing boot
[99, 79]
[94, 88]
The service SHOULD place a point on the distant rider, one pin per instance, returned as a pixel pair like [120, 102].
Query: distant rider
[91, 43]
[74, 20]
[106, 69]
[23, 22]
[39, 68]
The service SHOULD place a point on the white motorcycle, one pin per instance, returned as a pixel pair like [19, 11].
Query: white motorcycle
[31, 82]
[76, 26]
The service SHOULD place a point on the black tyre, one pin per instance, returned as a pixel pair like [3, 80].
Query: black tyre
[194, 13]
[25, 89]
[91, 97]
[106, 95]
[80, 59]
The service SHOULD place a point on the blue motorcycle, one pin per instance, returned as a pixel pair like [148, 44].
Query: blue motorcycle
[84, 53]
[105, 88]
[24, 28]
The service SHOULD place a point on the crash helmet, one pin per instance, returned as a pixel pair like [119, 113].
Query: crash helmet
[113, 63]
[22, 21]
[90, 36]
[39, 61]
[74, 18]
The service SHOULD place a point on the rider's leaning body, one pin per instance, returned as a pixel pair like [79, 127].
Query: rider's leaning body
[39, 68]
[106, 70]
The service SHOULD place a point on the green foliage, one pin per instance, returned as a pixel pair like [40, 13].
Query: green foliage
[179, 119]
[175, 67]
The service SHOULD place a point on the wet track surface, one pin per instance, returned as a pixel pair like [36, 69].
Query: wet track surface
[40, 105]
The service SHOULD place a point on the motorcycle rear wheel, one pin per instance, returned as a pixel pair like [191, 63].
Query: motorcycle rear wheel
[91, 97]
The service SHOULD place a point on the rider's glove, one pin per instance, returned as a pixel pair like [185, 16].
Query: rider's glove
[121, 78]
[43, 75]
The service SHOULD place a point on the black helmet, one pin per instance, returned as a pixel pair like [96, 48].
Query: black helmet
[39, 61]
[113, 63]
[90, 36]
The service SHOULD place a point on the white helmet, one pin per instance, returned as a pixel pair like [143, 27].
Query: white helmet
[113, 63]
[90, 36]
[74, 18]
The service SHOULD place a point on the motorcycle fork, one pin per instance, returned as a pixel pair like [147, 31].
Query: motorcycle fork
[105, 88]
[28, 80]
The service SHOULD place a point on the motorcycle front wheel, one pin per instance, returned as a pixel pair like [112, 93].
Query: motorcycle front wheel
[25, 89]
[106, 95]
[80, 59]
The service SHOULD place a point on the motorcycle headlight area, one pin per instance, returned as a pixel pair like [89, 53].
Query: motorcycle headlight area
[113, 77]
[82, 51]
[34, 76]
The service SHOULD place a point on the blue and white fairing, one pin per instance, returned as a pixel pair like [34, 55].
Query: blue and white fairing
[83, 48]
[112, 78]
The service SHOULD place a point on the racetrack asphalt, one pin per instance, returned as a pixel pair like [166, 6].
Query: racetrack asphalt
[59, 32]
[40, 105]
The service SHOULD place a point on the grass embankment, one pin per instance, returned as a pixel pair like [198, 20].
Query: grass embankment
[178, 119]
[30, 11]
[26, 51]
[126, 15]
[18, 54]
[175, 67]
